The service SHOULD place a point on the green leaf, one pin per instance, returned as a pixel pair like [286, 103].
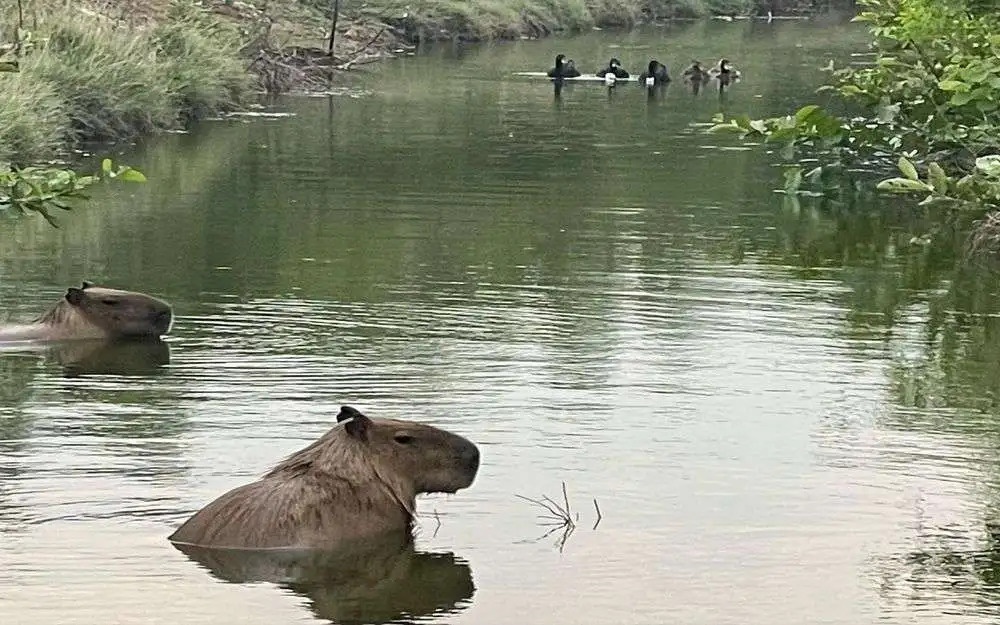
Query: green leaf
[989, 164]
[937, 177]
[961, 98]
[907, 168]
[132, 175]
[803, 113]
[953, 85]
[903, 185]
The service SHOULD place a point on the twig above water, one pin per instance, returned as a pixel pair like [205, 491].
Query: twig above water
[559, 516]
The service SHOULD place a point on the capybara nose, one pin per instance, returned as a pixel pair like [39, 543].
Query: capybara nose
[470, 457]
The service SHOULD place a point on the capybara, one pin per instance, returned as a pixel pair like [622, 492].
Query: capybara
[360, 479]
[379, 580]
[96, 312]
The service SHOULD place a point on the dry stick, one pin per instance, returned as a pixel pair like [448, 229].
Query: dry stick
[333, 26]
[20, 29]
[360, 52]
[599, 516]
[555, 512]
[370, 42]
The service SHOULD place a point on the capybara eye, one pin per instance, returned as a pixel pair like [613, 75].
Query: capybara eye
[110, 302]
[403, 439]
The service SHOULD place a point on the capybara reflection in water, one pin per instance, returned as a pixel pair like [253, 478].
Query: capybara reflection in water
[96, 312]
[360, 479]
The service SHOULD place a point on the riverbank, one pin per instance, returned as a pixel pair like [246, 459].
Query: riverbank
[123, 69]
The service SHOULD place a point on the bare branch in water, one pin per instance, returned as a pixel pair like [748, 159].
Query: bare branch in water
[559, 516]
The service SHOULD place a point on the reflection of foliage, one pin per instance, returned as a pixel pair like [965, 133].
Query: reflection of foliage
[952, 566]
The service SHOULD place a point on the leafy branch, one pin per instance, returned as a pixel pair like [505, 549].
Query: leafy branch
[41, 189]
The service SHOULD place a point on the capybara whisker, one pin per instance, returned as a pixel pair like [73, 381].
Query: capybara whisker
[360, 479]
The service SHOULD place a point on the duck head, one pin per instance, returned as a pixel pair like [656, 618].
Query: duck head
[559, 59]
[652, 66]
[614, 63]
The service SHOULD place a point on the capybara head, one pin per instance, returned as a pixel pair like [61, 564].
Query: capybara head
[430, 459]
[123, 314]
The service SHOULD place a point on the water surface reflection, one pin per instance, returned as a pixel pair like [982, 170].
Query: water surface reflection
[379, 581]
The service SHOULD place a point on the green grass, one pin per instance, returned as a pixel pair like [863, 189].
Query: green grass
[34, 120]
[89, 78]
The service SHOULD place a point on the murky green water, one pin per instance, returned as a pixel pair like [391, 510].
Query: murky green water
[786, 416]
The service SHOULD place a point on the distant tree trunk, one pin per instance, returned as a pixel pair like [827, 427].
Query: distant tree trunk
[333, 26]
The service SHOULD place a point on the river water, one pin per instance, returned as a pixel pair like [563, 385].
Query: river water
[786, 414]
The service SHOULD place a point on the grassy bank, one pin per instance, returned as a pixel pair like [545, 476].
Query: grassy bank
[507, 19]
[85, 77]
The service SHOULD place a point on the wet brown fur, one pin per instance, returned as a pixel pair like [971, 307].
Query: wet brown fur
[359, 479]
[96, 312]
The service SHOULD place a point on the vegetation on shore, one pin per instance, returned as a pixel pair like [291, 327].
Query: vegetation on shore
[928, 106]
[79, 76]
[84, 78]
[112, 72]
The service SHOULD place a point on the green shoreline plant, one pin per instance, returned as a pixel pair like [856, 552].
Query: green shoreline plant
[81, 77]
[930, 102]
[42, 189]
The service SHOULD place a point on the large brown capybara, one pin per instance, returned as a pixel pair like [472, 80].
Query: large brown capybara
[96, 312]
[359, 480]
[380, 580]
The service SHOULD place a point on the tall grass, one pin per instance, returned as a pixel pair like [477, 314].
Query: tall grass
[91, 78]
[34, 120]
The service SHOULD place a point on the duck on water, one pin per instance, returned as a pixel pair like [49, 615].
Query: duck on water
[655, 74]
[563, 69]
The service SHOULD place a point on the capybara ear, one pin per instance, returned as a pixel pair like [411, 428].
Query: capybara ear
[87, 285]
[357, 424]
[74, 295]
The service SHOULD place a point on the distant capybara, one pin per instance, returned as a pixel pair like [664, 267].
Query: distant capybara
[360, 479]
[96, 312]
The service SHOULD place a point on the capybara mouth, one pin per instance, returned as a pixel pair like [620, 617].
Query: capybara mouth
[162, 321]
